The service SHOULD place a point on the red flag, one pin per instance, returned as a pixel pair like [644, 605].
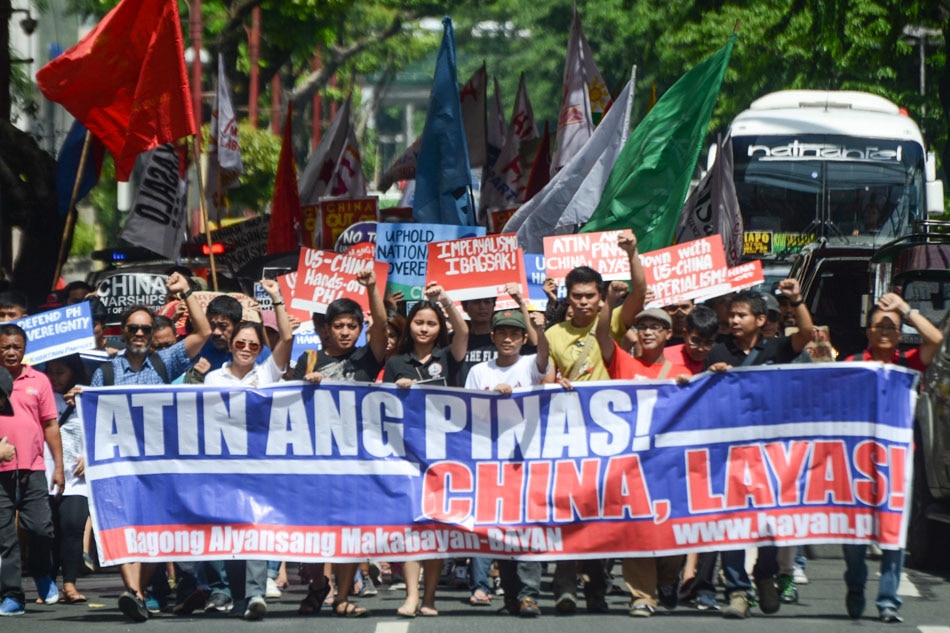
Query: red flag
[541, 167]
[126, 80]
[286, 218]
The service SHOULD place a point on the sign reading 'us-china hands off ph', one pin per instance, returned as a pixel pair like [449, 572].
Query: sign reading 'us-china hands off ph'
[752, 456]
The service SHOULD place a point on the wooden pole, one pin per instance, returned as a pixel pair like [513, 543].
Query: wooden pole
[204, 212]
[71, 213]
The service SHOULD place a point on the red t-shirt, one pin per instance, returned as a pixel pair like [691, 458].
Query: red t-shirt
[623, 366]
[678, 355]
[911, 358]
[33, 403]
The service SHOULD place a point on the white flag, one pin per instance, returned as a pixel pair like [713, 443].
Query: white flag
[158, 218]
[714, 208]
[224, 153]
[568, 200]
[318, 174]
[474, 104]
[506, 181]
[585, 97]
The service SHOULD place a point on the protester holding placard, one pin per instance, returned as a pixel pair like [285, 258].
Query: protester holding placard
[340, 359]
[425, 356]
[575, 355]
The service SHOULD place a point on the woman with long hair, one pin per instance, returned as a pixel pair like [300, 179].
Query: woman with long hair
[425, 355]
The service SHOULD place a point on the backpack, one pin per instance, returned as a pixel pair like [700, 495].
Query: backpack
[108, 370]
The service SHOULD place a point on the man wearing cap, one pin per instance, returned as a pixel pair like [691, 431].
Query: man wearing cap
[31, 420]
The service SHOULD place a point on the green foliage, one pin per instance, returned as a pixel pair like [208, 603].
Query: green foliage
[84, 240]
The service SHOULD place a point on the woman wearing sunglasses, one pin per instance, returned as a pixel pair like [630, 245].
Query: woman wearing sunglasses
[242, 371]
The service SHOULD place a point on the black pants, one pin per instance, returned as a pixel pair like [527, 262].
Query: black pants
[69, 524]
[28, 492]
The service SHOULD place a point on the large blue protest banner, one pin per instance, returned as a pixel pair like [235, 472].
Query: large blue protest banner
[57, 333]
[787, 455]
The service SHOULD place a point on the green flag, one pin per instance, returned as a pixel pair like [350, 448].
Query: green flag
[648, 184]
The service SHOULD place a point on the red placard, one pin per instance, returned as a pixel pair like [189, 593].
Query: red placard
[324, 276]
[687, 271]
[498, 218]
[336, 215]
[477, 267]
[746, 275]
[287, 283]
[362, 249]
[597, 250]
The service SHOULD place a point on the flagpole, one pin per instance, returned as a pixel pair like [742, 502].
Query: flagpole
[71, 212]
[204, 212]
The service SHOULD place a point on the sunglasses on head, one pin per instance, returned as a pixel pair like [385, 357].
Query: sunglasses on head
[132, 328]
[250, 346]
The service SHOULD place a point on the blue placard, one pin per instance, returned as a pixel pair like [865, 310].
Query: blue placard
[57, 333]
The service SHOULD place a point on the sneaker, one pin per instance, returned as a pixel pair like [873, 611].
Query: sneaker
[787, 591]
[667, 596]
[854, 602]
[220, 603]
[529, 608]
[641, 611]
[256, 609]
[10, 606]
[597, 604]
[566, 604]
[46, 588]
[369, 588]
[738, 607]
[889, 615]
[496, 586]
[133, 607]
[152, 605]
[272, 592]
[706, 601]
[798, 574]
[768, 595]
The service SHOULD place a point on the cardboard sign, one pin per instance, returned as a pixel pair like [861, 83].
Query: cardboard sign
[125, 290]
[363, 249]
[476, 267]
[249, 239]
[57, 333]
[536, 273]
[757, 243]
[356, 233]
[686, 271]
[249, 306]
[337, 215]
[325, 276]
[405, 247]
[747, 275]
[287, 284]
[597, 250]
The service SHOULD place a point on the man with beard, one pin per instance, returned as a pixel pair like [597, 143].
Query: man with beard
[138, 365]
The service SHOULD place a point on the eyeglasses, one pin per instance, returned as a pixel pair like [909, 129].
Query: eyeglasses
[132, 328]
[885, 329]
[651, 327]
[250, 346]
[700, 343]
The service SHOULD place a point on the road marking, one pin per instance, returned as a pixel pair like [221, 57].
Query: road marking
[933, 629]
[402, 627]
[909, 589]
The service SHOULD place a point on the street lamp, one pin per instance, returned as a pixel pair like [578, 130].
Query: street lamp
[921, 34]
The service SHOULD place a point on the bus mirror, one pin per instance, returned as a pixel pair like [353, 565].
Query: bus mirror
[930, 167]
[935, 198]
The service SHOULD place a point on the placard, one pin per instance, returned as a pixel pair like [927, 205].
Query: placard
[57, 333]
[336, 215]
[686, 271]
[562, 253]
[477, 267]
[124, 290]
[325, 276]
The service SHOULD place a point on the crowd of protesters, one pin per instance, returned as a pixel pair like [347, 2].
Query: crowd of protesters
[599, 331]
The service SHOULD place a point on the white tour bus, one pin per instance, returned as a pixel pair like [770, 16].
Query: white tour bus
[850, 167]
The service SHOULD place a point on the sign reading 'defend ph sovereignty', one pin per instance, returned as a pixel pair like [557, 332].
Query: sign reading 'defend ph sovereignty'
[57, 333]
[405, 247]
[784, 455]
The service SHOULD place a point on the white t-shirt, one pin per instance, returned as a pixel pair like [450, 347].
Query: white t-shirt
[72, 439]
[266, 373]
[523, 373]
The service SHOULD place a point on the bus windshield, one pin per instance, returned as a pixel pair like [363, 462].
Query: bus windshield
[832, 186]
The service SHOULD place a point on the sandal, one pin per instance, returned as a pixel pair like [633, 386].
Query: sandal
[405, 612]
[314, 599]
[480, 599]
[73, 597]
[350, 610]
[428, 612]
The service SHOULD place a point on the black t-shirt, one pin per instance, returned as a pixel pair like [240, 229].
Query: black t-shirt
[440, 369]
[480, 349]
[773, 351]
[358, 365]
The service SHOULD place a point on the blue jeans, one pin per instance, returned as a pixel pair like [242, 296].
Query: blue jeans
[733, 567]
[856, 573]
[478, 570]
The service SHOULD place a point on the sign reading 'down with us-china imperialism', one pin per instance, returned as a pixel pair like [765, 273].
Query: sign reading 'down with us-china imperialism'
[687, 271]
[784, 455]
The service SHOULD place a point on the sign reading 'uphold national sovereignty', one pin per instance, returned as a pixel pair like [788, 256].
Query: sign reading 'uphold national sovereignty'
[789, 455]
